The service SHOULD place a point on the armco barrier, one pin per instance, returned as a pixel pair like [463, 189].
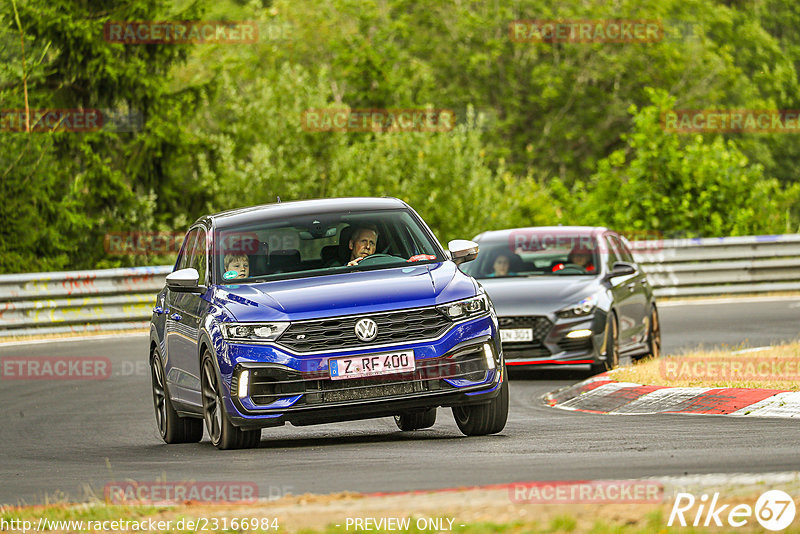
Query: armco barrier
[723, 265]
[78, 301]
[116, 299]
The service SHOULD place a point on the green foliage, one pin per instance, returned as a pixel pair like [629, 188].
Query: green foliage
[546, 133]
[680, 184]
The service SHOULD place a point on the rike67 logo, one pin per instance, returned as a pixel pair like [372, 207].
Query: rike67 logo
[774, 510]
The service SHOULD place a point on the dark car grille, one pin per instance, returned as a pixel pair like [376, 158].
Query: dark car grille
[269, 384]
[576, 344]
[541, 325]
[339, 332]
[527, 349]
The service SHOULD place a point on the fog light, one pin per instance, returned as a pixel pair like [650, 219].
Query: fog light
[487, 350]
[244, 383]
[579, 333]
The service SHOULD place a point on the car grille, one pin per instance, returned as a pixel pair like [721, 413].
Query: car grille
[576, 344]
[319, 335]
[527, 349]
[270, 384]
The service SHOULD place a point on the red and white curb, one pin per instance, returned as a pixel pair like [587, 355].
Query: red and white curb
[601, 394]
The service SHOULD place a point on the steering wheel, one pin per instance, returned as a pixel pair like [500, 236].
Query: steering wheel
[571, 268]
[378, 259]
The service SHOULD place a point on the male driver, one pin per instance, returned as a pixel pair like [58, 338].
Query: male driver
[362, 243]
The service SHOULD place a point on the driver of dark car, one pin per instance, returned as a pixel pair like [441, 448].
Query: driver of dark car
[581, 256]
[362, 244]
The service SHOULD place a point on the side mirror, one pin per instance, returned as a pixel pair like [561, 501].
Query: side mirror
[621, 268]
[462, 250]
[185, 281]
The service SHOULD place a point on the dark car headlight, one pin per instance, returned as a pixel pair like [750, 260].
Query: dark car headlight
[464, 309]
[581, 309]
[253, 332]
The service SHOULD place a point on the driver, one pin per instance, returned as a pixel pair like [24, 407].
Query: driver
[362, 244]
[582, 256]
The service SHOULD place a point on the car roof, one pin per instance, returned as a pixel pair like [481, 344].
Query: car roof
[300, 208]
[594, 231]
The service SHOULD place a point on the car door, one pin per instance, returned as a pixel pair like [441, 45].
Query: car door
[622, 295]
[637, 297]
[182, 325]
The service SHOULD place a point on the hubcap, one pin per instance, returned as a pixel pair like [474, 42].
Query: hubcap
[211, 403]
[655, 336]
[612, 347]
[159, 395]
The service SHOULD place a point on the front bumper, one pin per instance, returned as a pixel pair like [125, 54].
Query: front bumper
[285, 387]
[551, 348]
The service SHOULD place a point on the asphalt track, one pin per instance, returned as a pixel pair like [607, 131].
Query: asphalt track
[68, 439]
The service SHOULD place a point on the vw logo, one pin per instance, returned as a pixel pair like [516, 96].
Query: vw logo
[366, 329]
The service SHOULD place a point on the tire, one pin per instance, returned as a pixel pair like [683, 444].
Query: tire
[612, 347]
[483, 419]
[172, 427]
[654, 335]
[416, 420]
[222, 433]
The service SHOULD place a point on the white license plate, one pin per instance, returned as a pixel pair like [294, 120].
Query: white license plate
[384, 363]
[516, 334]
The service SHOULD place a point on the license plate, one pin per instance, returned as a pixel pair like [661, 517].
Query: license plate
[516, 334]
[385, 363]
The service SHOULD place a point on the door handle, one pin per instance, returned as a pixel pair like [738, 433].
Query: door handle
[175, 317]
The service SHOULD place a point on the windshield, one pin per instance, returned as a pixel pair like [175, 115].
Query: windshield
[320, 244]
[537, 254]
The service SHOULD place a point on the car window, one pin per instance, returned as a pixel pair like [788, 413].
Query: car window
[624, 252]
[198, 258]
[613, 252]
[186, 250]
[320, 244]
[536, 253]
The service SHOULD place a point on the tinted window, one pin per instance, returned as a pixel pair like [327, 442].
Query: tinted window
[186, 250]
[624, 252]
[320, 244]
[198, 259]
[535, 253]
[613, 252]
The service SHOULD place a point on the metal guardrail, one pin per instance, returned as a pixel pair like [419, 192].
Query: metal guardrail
[119, 299]
[78, 301]
[724, 265]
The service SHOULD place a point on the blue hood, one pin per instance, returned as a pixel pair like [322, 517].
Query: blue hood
[346, 294]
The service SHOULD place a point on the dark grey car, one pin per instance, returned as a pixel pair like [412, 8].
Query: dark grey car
[567, 296]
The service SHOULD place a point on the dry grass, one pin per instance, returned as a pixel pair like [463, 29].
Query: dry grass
[478, 511]
[775, 367]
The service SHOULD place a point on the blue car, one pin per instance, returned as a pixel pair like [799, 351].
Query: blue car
[322, 311]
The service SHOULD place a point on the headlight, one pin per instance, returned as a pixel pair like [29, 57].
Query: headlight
[584, 307]
[253, 332]
[464, 309]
